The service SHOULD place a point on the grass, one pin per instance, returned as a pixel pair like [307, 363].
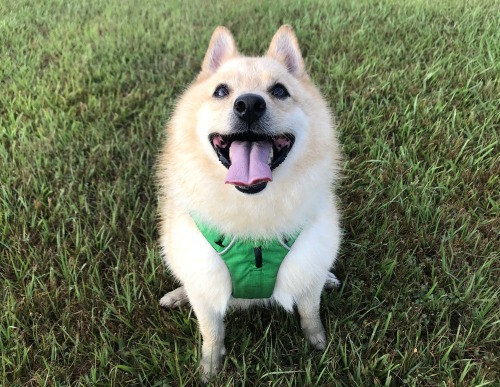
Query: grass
[86, 88]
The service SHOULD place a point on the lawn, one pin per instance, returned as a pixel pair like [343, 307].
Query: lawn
[86, 88]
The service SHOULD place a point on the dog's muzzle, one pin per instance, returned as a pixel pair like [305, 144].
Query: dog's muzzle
[251, 157]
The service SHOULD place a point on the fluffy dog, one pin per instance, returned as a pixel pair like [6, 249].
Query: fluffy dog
[247, 208]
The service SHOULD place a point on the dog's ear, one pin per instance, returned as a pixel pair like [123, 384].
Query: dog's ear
[221, 48]
[285, 49]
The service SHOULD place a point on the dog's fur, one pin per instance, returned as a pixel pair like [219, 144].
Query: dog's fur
[300, 196]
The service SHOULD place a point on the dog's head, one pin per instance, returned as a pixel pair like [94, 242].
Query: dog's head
[253, 114]
[252, 118]
[258, 121]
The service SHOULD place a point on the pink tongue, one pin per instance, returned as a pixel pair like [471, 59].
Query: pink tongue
[249, 163]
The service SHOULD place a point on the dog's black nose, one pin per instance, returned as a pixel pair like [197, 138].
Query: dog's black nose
[249, 107]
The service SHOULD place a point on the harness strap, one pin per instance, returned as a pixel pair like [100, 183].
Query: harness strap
[253, 265]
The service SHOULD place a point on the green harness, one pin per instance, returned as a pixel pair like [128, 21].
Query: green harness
[253, 266]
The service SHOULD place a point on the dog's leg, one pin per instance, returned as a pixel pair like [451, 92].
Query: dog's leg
[174, 299]
[212, 331]
[308, 307]
[331, 282]
[211, 327]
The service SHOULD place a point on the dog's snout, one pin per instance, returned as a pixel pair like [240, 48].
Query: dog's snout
[249, 107]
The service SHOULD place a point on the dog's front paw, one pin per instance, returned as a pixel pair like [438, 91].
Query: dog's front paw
[210, 367]
[174, 299]
[314, 332]
[207, 374]
[208, 371]
[318, 340]
[331, 282]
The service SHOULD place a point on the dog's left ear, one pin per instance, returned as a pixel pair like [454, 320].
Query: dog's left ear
[221, 48]
[285, 49]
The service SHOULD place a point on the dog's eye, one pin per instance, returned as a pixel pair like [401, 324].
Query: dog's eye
[221, 91]
[279, 91]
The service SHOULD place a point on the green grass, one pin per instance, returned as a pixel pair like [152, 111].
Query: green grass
[85, 90]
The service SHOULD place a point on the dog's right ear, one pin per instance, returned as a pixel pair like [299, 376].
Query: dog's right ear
[285, 49]
[221, 48]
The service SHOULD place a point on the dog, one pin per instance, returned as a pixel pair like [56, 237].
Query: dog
[247, 207]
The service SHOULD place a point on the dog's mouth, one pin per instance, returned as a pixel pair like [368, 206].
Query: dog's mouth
[250, 157]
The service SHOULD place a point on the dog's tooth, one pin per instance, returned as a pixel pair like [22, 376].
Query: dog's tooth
[271, 154]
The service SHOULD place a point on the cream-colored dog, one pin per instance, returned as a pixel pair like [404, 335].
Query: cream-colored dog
[247, 207]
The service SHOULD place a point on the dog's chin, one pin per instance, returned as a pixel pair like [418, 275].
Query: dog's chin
[252, 189]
